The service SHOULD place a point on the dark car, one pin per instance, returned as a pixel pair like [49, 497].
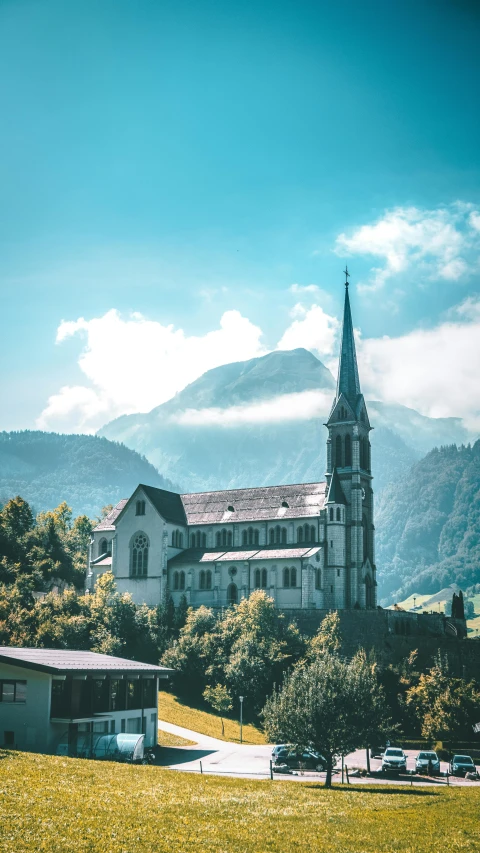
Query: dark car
[427, 762]
[377, 751]
[461, 764]
[308, 760]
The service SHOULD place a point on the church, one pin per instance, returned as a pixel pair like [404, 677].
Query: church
[310, 546]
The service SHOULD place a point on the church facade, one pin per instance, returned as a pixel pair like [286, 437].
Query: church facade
[309, 546]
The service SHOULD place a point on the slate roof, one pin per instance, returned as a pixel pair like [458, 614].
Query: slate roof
[197, 555]
[261, 504]
[108, 523]
[267, 503]
[63, 660]
[348, 382]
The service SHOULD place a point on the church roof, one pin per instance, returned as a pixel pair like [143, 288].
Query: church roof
[348, 382]
[168, 504]
[199, 555]
[108, 523]
[261, 504]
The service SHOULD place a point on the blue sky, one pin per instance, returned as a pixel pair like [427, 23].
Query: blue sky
[179, 160]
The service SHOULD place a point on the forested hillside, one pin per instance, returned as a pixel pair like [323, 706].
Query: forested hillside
[85, 471]
[428, 525]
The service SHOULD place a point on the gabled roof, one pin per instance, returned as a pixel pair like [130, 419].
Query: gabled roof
[335, 492]
[108, 523]
[168, 504]
[65, 661]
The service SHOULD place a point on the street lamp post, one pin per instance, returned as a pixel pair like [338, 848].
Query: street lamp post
[241, 718]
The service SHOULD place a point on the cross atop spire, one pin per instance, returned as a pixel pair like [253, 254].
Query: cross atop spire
[348, 380]
[347, 275]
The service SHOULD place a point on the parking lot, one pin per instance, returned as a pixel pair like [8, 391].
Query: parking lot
[212, 756]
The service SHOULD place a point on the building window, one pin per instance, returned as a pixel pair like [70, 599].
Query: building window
[331, 513]
[300, 534]
[257, 578]
[348, 451]
[202, 579]
[338, 573]
[140, 508]
[103, 547]
[224, 538]
[293, 576]
[286, 578]
[280, 535]
[250, 536]
[140, 555]
[339, 514]
[338, 452]
[13, 691]
[264, 578]
[208, 579]
[318, 579]
[306, 533]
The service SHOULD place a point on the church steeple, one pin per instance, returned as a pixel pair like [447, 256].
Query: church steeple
[348, 382]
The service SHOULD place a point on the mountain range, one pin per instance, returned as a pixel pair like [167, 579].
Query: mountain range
[260, 422]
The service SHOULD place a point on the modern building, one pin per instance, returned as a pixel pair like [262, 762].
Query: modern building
[308, 545]
[55, 700]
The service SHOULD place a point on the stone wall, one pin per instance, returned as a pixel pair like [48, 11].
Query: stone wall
[392, 635]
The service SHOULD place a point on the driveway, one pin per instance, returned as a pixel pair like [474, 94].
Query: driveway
[222, 758]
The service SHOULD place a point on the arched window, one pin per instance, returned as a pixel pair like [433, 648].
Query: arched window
[139, 560]
[218, 539]
[348, 451]
[204, 540]
[202, 579]
[271, 536]
[313, 535]
[338, 452]
[264, 578]
[232, 594]
[182, 580]
[339, 514]
[208, 579]
[331, 513]
[252, 536]
[192, 540]
[257, 578]
[224, 538]
[244, 538]
[180, 540]
[293, 576]
[103, 547]
[286, 578]
[318, 579]
[174, 538]
[300, 534]
[198, 538]
[140, 508]
[176, 582]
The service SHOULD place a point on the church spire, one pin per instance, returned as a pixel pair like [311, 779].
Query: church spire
[348, 382]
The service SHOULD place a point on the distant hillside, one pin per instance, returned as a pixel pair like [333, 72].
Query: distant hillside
[210, 453]
[86, 471]
[428, 525]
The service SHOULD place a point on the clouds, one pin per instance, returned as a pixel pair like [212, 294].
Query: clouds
[311, 328]
[133, 364]
[442, 243]
[432, 370]
[285, 407]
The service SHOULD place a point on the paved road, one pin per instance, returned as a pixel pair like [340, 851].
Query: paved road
[253, 762]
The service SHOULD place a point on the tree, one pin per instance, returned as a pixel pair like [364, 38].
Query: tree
[327, 638]
[327, 705]
[446, 707]
[219, 699]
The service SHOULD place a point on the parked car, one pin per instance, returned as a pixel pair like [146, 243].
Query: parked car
[461, 764]
[280, 747]
[394, 760]
[377, 751]
[308, 760]
[427, 762]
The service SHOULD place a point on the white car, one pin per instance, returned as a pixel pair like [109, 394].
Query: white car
[394, 760]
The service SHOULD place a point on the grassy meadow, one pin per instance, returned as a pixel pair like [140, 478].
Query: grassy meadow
[77, 806]
[173, 710]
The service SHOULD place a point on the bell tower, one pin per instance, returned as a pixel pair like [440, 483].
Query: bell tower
[349, 474]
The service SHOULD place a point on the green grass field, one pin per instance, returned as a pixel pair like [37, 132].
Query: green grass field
[173, 710]
[167, 739]
[75, 806]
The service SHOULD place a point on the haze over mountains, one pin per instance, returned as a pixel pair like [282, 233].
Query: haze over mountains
[260, 422]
